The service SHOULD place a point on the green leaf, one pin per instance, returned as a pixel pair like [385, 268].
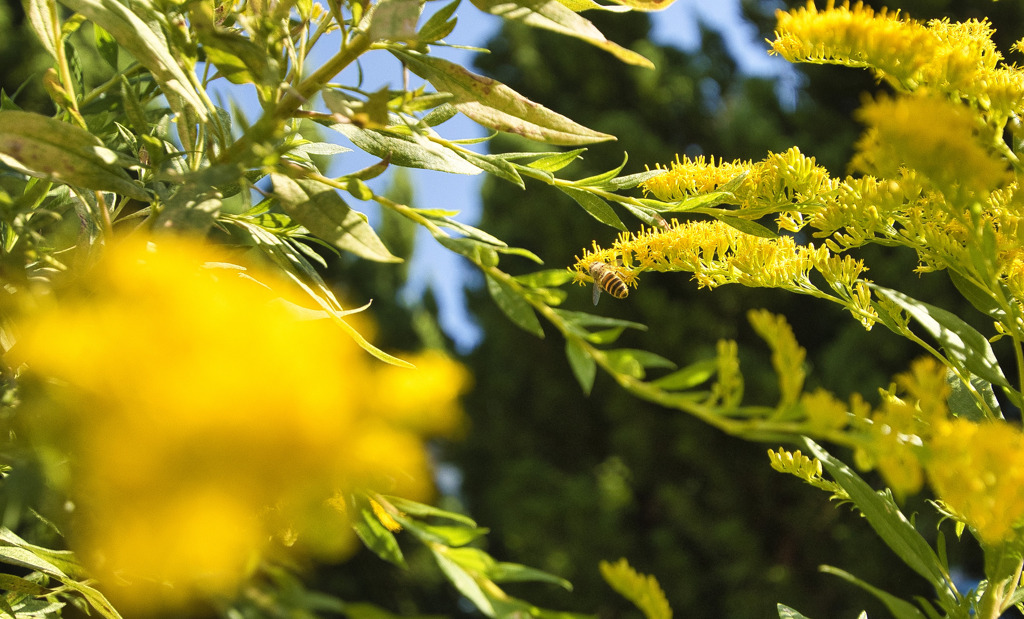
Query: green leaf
[785, 612]
[514, 572]
[16, 584]
[747, 226]
[106, 46]
[495, 105]
[554, 163]
[981, 299]
[900, 608]
[600, 179]
[514, 305]
[423, 510]
[630, 181]
[296, 267]
[322, 211]
[584, 368]
[42, 16]
[688, 377]
[964, 346]
[393, 20]
[643, 590]
[595, 206]
[48, 148]
[147, 46]
[440, 24]
[962, 403]
[494, 164]
[463, 581]
[406, 150]
[377, 538]
[888, 522]
[580, 321]
[633, 362]
[554, 16]
[453, 536]
[95, 599]
[547, 277]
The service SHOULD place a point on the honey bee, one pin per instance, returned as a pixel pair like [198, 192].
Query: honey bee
[607, 279]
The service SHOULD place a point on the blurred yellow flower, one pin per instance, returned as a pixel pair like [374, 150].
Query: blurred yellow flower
[977, 470]
[192, 418]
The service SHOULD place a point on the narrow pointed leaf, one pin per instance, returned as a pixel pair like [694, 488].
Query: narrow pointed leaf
[514, 572]
[886, 519]
[42, 16]
[900, 608]
[584, 368]
[557, 161]
[377, 538]
[406, 150]
[595, 207]
[423, 510]
[496, 106]
[47, 148]
[555, 16]
[322, 211]
[514, 306]
[964, 346]
[440, 24]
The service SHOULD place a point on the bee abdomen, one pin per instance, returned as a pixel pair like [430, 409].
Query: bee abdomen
[609, 280]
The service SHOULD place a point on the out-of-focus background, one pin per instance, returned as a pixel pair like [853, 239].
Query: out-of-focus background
[562, 480]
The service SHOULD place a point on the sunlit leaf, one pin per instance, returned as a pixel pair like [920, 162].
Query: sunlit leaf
[48, 148]
[641, 589]
[377, 538]
[322, 211]
[393, 20]
[886, 519]
[964, 346]
[406, 150]
[496, 106]
[514, 572]
[594, 206]
[146, 45]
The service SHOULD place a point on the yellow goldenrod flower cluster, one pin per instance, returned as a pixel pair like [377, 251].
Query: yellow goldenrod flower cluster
[192, 418]
[718, 254]
[957, 58]
[797, 464]
[783, 181]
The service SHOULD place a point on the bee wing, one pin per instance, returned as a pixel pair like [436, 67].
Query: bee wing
[597, 291]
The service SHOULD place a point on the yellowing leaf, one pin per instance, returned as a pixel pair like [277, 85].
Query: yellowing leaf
[641, 589]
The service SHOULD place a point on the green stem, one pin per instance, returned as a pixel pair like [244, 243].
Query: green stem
[272, 122]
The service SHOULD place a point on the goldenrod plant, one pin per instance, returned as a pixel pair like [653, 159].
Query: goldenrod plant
[207, 413]
[936, 172]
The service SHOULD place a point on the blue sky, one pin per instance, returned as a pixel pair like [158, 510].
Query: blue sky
[445, 273]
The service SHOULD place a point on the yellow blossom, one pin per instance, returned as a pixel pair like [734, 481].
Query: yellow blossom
[932, 136]
[192, 418]
[977, 470]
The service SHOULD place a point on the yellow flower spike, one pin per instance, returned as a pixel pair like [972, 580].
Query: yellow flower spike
[787, 356]
[977, 470]
[197, 412]
[810, 471]
[824, 412]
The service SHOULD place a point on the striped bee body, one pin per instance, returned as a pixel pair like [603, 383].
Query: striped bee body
[608, 279]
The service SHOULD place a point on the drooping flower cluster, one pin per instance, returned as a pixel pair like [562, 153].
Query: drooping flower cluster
[193, 415]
